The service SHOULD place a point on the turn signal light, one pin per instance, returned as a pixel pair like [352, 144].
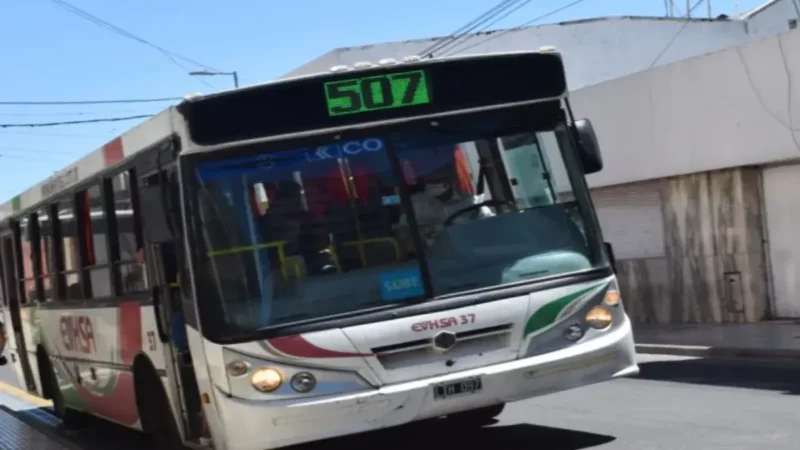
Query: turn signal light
[599, 318]
[612, 298]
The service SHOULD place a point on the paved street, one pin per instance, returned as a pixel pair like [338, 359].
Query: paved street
[676, 403]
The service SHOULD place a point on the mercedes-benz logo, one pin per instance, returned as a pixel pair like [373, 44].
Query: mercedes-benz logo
[444, 341]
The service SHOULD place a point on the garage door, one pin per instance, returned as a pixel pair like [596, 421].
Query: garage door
[631, 219]
[782, 205]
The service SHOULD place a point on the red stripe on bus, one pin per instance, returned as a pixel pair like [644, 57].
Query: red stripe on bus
[129, 318]
[299, 347]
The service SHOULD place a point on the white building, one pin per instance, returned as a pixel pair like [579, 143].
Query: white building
[699, 122]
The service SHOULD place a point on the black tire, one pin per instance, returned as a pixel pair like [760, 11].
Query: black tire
[70, 418]
[478, 417]
[156, 415]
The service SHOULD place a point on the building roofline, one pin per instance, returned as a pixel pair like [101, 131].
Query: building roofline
[757, 10]
[722, 18]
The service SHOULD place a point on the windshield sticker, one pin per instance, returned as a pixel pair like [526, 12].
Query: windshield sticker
[265, 162]
[390, 200]
[401, 284]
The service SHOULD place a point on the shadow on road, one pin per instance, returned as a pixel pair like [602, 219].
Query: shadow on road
[438, 434]
[429, 435]
[766, 375]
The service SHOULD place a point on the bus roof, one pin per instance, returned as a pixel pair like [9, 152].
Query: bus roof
[163, 125]
[113, 153]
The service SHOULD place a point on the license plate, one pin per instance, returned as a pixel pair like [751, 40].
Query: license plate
[457, 388]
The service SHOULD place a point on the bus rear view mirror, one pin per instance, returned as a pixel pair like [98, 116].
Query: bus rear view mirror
[3, 361]
[588, 147]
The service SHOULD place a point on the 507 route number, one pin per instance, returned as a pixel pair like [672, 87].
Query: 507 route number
[358, 95]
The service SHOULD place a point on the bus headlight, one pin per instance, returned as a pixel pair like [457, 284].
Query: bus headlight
[266, 379]
[599, 318]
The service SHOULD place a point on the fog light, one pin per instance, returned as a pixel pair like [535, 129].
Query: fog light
[612, 298]
[266, 379]
[238, 368]
[573, 332]
[303, 382]
[599, 318]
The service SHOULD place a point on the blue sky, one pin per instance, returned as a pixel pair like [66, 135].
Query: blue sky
[50, 54]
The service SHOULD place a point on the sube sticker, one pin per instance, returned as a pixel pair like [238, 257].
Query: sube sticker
[401, 284]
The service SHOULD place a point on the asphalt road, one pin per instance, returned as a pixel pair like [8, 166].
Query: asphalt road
[676, 403]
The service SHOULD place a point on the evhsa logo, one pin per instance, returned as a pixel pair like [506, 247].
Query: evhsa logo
[344, 149]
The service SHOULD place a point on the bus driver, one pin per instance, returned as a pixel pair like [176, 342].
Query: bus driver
[438, 200]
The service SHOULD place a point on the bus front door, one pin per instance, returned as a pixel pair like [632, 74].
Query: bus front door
[158, 194]
[16, 350]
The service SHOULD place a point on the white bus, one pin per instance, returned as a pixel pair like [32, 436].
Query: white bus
[321, 256]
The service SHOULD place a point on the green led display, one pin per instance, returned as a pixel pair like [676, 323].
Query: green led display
[359, 95]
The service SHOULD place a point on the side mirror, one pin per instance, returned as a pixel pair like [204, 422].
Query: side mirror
[611, 258]
[588, 148]
[3, 361]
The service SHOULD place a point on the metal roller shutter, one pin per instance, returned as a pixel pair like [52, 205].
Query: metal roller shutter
[631, 219]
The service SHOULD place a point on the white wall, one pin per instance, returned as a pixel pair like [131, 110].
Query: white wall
[699, 114]
[594, 50]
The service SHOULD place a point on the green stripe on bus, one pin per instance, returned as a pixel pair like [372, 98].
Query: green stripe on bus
[548, 313]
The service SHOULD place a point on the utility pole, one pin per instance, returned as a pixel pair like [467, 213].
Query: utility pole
[708, 3]
[688, 9]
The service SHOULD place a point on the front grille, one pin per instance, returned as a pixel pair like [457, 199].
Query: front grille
[477, 341]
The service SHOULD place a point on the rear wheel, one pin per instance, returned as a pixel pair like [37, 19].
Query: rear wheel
[478, 417]
[70, 418]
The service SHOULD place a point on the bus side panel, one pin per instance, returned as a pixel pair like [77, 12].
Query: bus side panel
[93, 349]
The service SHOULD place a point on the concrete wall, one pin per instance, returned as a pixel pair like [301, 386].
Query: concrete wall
[729, 109]
[594, 50]
[714, 269]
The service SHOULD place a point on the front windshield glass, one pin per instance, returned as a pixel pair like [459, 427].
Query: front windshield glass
[304, 233]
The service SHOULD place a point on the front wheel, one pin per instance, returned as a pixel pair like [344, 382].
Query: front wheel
[478, 417]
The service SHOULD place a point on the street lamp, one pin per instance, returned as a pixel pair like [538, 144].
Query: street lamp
[208, 73]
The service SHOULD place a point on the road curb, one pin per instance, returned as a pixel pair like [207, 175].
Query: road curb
[701, 351]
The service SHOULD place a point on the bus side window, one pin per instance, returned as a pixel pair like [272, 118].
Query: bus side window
[69, 273]
[46, 256]
[26, 248]
[129, 232]
[94, 231]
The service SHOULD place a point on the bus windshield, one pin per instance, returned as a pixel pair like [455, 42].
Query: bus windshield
[399, 216]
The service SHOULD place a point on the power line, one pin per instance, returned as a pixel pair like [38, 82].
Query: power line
[72, 122]
[29, 150]
[26, 158]
[90, 102]
[61, 114]
[526, 24]
[38, 133]
[489, 25]
[466, 28]
[680, 31]
[172, 56]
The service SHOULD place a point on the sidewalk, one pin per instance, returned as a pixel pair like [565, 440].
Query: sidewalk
[769, 340]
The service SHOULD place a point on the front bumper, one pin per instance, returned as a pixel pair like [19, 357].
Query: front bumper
[253, 425]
